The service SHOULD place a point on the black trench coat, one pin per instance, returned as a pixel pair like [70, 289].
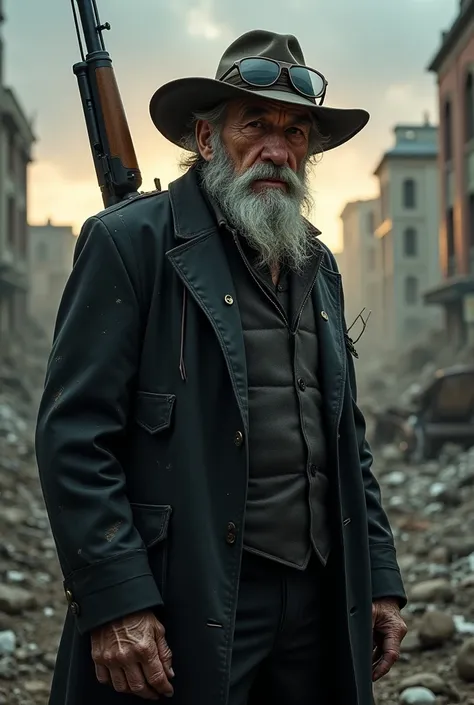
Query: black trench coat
[142, 452]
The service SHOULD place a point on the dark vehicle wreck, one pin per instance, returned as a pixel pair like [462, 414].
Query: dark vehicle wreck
[442, 411]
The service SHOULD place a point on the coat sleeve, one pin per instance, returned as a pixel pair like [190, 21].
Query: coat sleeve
[385, 572]
[80, 436]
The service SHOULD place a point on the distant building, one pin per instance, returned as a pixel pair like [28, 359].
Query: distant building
[50, 253]
[408, 259]
[454, 66]
[16, 141]
[360, 272]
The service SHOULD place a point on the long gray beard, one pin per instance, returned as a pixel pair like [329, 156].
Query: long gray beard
[271, 220]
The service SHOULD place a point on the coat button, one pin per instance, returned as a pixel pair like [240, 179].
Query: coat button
[324, 316]
[301, 384]
[231, 533]
[74, 607]
[228, 299]
[313, 469]
[69, 596]
[238, 438]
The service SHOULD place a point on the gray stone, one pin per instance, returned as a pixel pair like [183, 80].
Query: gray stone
[436, 590]
[435, 628]
[465, 661]
[417, 696]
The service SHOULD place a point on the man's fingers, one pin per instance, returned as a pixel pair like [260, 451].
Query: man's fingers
[137, 683]
[156, 676]
[384, 666]
[119, 679]
[103, 674]
[165, 655]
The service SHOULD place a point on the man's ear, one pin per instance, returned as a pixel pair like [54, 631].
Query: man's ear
[203, 139]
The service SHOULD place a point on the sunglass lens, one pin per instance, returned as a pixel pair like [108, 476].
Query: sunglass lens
[307, 82]
[259, 72]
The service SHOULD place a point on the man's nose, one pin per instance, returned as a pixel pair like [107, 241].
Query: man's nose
[275, 150]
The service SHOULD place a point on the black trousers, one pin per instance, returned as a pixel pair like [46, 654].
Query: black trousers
[280, 651]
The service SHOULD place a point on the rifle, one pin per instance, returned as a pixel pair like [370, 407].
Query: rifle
[111, 143]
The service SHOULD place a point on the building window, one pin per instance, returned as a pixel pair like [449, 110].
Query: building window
[450, 244]
[11, 234]
[411, 290]
[370, 222]
[409, 193]
[11, 155]
[410, 242]
[448, 134]
[469, 107]
[384, 201]
[22, 234]
[41, 252]
[371, 259]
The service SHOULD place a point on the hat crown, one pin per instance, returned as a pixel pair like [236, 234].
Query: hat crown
[259, 42]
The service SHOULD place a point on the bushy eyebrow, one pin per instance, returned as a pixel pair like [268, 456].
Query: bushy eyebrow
[251, 112]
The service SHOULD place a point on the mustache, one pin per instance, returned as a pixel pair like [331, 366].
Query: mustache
[268, 170]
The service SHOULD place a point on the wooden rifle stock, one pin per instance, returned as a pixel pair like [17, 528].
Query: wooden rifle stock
[111, 143]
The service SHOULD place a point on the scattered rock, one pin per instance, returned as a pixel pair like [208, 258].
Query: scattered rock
[435, 628]
[430, 681]
[7, 642]
[15, 600]
[417, 696]
[436, 590]
[465, 661]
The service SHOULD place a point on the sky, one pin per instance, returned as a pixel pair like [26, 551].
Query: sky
[374, 54]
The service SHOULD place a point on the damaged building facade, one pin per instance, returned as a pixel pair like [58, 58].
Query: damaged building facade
[454, 66]
[16, 141]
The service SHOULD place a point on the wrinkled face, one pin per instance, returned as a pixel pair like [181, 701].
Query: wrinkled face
[255, 166]
[266, 132]
[260, 131]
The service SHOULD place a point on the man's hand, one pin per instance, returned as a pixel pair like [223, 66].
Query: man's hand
[132, 655]
[389, 631]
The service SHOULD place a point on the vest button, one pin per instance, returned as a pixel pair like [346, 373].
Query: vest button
[238, 438]
[231, 533]
[324, 316]
[228, 299]
[313, 469]
[301, 384]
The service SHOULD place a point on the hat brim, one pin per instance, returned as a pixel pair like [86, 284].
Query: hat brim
[173, 105]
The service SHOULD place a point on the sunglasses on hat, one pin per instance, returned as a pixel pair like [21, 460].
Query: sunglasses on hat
[262, 73]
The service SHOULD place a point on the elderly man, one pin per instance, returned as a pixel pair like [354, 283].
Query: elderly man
[202, 456]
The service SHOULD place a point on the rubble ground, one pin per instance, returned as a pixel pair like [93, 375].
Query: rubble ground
[431, 507]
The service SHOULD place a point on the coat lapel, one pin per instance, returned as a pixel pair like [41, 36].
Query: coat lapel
[327, 300]
[201, 264]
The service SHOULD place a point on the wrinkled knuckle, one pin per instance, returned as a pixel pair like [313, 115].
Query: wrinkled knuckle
[123, 656]
[168, 654]
[107, 657]
[121, 686]
[160, 629]
[138, 687]
[144, 649]
[158, 678]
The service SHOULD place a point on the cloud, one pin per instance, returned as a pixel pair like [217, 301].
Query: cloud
[200, 22]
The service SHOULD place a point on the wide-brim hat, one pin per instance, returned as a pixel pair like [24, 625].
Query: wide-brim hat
[173, 106]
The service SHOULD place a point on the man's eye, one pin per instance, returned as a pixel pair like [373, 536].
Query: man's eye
[295, 131]
[255, 123]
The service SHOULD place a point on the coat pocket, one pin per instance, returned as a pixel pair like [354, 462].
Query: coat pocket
[152, 523]
[154, 412]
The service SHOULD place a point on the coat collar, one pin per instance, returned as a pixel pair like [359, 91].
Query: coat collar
[192, 214]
